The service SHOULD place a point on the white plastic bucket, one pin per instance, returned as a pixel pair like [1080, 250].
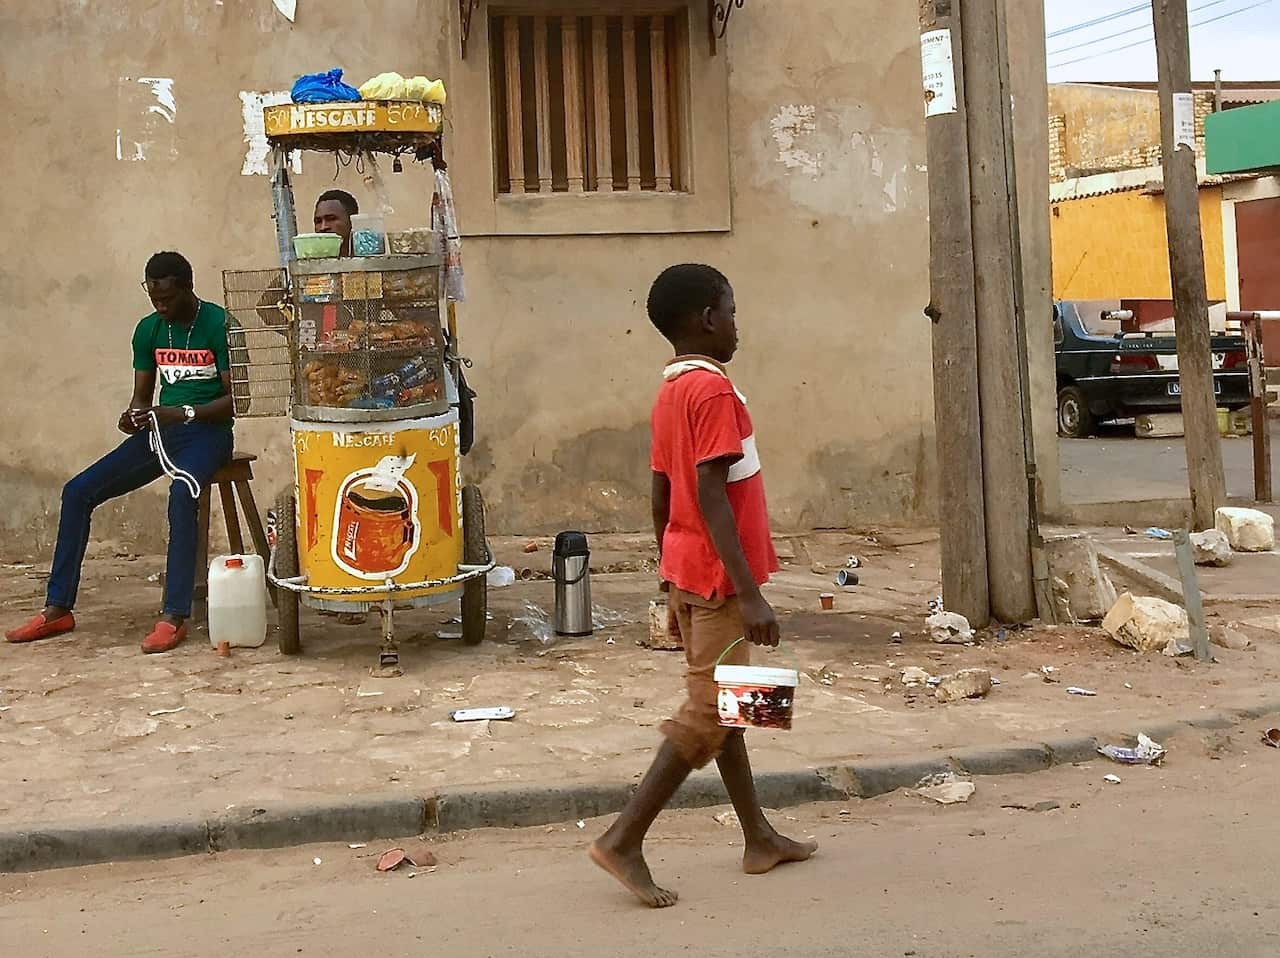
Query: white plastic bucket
[237, 601]
[752, 696]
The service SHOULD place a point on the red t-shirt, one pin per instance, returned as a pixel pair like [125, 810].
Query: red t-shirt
[698, 417]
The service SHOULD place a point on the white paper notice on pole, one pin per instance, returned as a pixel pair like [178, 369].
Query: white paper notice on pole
[1184, 121]
[939, 73]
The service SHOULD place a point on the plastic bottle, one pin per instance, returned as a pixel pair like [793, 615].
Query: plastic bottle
[237, 601]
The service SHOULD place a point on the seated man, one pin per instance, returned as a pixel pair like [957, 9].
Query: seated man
[185, 342]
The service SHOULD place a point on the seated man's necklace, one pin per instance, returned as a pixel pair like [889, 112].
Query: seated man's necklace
[190, 329]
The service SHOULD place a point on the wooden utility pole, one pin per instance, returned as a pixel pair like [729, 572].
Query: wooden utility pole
[1186, 261]
[997, 262]
[962, 511]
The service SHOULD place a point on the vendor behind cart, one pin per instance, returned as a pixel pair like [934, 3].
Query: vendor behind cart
[333, 213]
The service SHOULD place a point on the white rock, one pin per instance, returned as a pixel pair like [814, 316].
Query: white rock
[965, 684]
[1248, 530]
[1146, 623]
[1080, 588]
[913, 675]
[1226, 637]
[1211, 547]
[949, 627]
[949, 793]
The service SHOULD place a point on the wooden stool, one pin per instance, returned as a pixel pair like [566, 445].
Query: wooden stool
[232, 480]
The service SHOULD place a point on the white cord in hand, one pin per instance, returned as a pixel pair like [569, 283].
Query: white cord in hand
[167, 464]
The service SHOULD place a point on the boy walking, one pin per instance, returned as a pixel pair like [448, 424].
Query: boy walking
[712, 527]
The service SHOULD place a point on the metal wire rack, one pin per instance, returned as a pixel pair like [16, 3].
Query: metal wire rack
[368, 342]
[259, 319]
[350, 343]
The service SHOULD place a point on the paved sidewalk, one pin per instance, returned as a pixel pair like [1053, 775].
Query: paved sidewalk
[103, 731]
[1115, 466]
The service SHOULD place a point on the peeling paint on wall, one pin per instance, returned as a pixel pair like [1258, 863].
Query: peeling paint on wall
[792, 126]
[849, 168]
[257, 151]
[146, 113]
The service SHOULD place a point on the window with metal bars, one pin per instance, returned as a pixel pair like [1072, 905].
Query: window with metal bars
[589, 104]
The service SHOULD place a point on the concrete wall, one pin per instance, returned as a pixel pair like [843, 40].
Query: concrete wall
[1100, 128]
[1115, 247]
[828, 255]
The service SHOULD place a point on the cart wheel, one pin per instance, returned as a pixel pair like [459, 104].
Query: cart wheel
[475, 551]
[287, 603]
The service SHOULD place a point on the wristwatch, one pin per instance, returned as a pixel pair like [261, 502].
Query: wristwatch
[189, 413]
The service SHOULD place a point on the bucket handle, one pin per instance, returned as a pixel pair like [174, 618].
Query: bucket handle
[785, 651]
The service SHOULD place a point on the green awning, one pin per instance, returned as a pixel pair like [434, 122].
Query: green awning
[1243, 140]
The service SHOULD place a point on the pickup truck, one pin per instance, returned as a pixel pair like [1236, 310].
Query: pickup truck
[1128, 374]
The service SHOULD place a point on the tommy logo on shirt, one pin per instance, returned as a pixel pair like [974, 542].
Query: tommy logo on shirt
[182, 365]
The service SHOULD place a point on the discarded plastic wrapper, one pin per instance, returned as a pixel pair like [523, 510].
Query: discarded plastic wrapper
[1076, 690]
[1157, 533]
[536, 621]
[499, 714]
[1112, 779]
[499, 577]
[1147, 752]
[603, 618]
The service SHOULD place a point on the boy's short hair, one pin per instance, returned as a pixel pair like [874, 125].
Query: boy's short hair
[683, 291]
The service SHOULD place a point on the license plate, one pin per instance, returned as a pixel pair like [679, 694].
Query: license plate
[1175, 389]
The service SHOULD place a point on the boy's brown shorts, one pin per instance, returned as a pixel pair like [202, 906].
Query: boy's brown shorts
[708, 626]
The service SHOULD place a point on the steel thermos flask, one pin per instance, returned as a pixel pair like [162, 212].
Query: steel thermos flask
[571, 569]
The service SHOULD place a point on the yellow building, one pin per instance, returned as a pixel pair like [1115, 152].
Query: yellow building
[1109, 239]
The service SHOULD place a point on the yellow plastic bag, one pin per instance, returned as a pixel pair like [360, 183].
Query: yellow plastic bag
[385, 86]
[392, 86]
[428, 91]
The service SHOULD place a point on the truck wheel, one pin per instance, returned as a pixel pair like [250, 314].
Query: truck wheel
[475, 551]
[1074, 419]
[287, 602]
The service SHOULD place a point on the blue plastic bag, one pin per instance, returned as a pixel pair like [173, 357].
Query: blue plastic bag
[323, 88]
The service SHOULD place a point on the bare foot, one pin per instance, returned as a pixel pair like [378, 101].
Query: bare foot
[632, 871]
[772, 852]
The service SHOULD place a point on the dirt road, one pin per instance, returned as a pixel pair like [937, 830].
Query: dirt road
[1175, 861]
[107, 733]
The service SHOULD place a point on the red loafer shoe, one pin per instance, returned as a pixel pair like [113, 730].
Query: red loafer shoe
[165, 637]
[38, 628]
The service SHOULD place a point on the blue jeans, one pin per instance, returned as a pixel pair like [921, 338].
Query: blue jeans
[200, 448]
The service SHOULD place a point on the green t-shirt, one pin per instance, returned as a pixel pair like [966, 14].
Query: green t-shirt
[188, 361]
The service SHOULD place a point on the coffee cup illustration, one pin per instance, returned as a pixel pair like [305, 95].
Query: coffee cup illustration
[376, 529]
